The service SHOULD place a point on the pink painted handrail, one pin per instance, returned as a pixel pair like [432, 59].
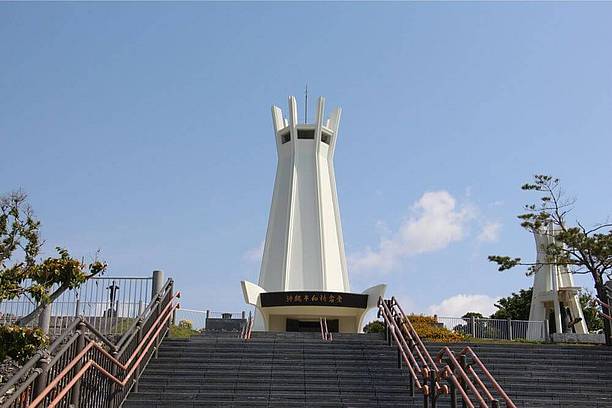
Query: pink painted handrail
[428, 373]
[136, 358]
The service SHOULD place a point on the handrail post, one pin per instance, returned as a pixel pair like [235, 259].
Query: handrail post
[159, 310]
[411, 346]
[432, 382]
[41, 381]
[76, 390]
[173, 320]
[463, 365]
[113, 387]
[157, 283]
[137, 372]
[453, 394]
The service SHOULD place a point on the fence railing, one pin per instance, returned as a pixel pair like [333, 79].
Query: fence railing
[85, 368]
[498, 329]
[458, 375]
[200, 318]
[109, 304]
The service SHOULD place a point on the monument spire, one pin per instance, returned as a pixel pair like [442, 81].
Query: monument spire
[304, 248]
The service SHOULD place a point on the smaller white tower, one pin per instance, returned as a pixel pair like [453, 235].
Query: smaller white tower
[554, 291]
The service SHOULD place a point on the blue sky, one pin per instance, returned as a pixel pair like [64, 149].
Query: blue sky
[144, 130]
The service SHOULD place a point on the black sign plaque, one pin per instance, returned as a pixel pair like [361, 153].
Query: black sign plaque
[314, 298]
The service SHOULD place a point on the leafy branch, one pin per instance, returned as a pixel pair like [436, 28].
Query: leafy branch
[21, 270]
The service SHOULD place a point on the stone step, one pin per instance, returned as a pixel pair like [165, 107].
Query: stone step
[300, 370]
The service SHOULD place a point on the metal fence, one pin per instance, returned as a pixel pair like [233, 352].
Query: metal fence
[110, 304]
[498, 329]
[199, 318]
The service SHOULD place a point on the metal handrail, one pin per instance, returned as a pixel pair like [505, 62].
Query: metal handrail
[93, 363]
[422, 350]
[244, 327]
[325, 333]
[159, 324]
[446, 352]
[413, 366]
[25, 369]
[30, 389]
[322, 329]
[144, 315]
[421, 364]
[250, 330]
[474, 357]
[246, 331]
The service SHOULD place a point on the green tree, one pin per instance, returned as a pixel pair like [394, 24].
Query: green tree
[515, 306]
[21, 270]
[475, 315]
[582, 250]
[590, 309]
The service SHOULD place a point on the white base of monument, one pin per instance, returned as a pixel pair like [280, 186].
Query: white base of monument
[301, 310]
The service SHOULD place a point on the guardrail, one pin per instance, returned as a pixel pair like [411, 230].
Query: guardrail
[498, 329]
[448, 374]
[205, 319]
[84, 368]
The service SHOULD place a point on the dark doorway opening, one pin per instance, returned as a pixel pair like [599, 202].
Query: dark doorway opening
[311, 326]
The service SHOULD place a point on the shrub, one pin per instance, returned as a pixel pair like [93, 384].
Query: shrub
[375, 326]
[183, 329]
[428, 328]
[20, 343]
[185, 324]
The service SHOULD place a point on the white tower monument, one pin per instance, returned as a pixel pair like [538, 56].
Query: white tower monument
[554, 293]
[303, 273]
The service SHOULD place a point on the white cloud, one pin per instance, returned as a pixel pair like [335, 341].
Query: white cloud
[254, 255]
[433, 224]
[458, 305]
[489, 232]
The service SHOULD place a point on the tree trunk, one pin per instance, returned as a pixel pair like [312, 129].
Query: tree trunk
[34, 313]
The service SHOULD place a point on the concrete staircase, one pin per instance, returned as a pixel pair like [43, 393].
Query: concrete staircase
[548, 375]
[300, 370]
